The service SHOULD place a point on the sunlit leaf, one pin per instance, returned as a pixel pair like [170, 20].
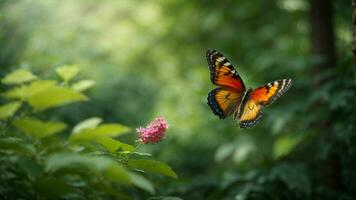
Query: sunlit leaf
[50, 187]
[56, 96]
[103, 130]
[142, 182]
[153, 166]
[284, 145]
[67, 72]
[38, 128]
[23, 92]
[18, 76]
[89, 123]
[83, 85]
[9, 109]
[113, 145]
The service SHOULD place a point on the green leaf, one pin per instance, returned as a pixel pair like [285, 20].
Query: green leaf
[17, 145]
[67, 72]
[284, 145]
[38, 128]
[9, 109]
[153, 166]
[117, 173]
[56, 96]
[96, 165]
[113, 145]
[103, 130]
[18, 76]
[111, 130]
[23, 92]
[52, 188]
[83, 85]
[142, 182]
[89, 123]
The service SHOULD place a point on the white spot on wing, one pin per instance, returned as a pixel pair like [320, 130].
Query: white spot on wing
[220, 59]
[283, 83]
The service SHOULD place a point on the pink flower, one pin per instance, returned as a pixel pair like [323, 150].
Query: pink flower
[154, 132]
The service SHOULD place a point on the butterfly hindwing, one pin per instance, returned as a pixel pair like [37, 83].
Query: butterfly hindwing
[222, 73]
[223, 102]
[251, 112]
[251, 108]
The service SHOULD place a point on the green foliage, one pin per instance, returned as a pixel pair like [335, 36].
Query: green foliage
[54, 97]
[9, 109]
[102, 130]
[88, 162]
[38, 128]
[152, 166]
[24, 92]
[67, 72]
[83, 85]
[284, 145]
[51, 188]
[113, 145]
[18, 76]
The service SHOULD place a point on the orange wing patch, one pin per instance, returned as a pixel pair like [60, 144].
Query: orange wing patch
[268, 93]
[223, 102]
[222, 73]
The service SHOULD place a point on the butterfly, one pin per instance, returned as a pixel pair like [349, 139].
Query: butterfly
[232, 98]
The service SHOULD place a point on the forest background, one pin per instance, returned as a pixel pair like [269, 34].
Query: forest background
[143, 59]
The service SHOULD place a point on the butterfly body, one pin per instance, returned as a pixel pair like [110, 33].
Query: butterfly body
[232, 98]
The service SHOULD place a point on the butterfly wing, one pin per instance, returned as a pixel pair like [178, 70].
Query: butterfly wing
[251, 107]
[268, 93]
[224, 102]
[222, 73]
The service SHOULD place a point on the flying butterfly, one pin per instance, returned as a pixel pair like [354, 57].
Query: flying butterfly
[232, 98]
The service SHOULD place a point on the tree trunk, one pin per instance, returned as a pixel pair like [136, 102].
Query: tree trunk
[323, 58]
[354, 27]
[322, 38]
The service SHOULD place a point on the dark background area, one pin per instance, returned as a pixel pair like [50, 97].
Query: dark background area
[148, 59]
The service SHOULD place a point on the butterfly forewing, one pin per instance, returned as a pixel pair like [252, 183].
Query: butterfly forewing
[270, 92]
[222, 73]
[251, 108]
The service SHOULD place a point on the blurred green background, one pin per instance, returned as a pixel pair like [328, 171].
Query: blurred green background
[148, 59]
